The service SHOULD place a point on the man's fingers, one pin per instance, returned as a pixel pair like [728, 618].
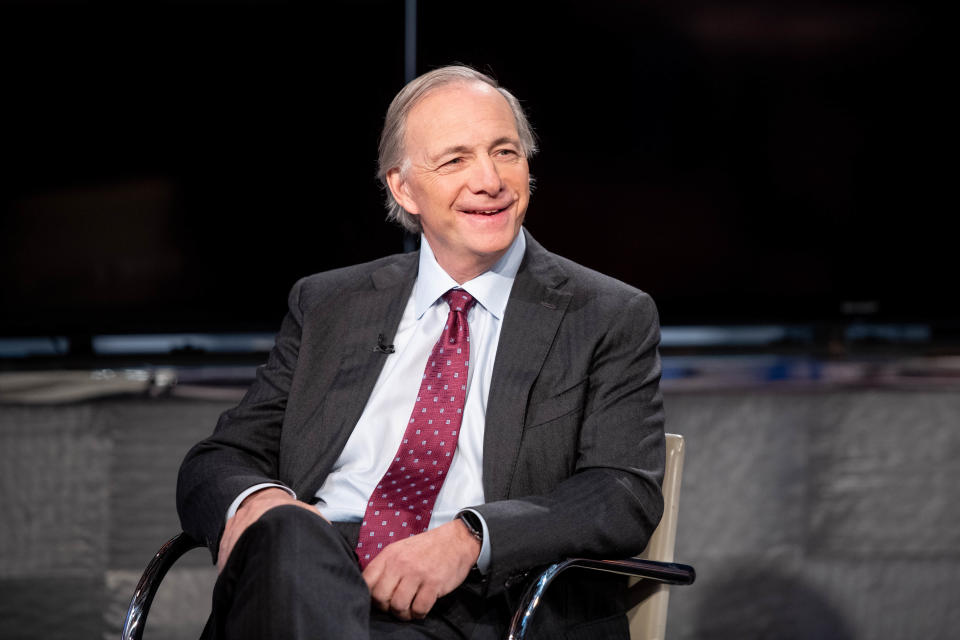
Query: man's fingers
[421, 605]
[222, 555]
[403, 597]
[371, 575]
[382, 589]
[226, 546]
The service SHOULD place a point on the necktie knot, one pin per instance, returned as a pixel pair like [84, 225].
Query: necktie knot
[459, 300]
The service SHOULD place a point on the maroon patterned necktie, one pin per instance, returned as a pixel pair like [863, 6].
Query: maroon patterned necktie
[402, 503]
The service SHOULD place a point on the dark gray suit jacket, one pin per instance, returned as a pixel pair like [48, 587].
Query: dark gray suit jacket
[573, 445]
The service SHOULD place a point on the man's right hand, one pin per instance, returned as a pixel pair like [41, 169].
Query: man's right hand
[249, 511]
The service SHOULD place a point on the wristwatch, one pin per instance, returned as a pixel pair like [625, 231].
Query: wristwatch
[473, 525]
[472, 522]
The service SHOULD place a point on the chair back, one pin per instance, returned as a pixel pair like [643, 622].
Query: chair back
[648, 620]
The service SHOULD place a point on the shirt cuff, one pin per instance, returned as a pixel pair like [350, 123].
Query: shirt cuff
[232, 511]
[483, 560]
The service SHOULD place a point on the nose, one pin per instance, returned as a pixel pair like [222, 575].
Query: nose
[485, 177]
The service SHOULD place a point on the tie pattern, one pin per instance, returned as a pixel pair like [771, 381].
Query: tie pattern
[402, 503]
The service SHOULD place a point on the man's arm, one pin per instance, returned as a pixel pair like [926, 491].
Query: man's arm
[611, 503]
[244, 448]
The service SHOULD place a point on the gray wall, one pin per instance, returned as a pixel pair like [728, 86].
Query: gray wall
[827, 515]
[816, 513]
[87, 498]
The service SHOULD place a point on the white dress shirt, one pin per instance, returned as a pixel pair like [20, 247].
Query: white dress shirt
[376, 437]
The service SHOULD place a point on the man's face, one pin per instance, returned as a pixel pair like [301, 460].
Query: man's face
[465, 176]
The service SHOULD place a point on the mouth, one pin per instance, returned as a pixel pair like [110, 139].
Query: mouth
[487, 211]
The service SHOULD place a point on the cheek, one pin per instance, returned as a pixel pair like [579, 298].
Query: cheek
[519, 177]
[442, 193]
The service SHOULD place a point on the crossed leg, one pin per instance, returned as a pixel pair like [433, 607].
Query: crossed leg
[294, 576]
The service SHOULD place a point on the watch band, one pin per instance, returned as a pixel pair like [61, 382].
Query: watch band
[473, 525]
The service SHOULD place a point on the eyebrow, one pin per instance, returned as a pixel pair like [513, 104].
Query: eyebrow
[451, 150]
[465, 149]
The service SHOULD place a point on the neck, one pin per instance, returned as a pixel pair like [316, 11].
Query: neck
[463, 270]
[465, 265]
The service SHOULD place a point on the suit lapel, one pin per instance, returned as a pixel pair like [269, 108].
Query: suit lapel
[365, 315]
[530, 325]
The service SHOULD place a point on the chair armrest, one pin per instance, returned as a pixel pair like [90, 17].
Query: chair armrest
[139, 607]
[663, 572]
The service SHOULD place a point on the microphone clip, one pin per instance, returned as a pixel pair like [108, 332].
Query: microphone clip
[383, 348]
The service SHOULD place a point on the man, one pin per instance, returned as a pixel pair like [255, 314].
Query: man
[552, 441]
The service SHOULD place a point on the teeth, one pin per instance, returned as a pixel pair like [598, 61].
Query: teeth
[483, 211]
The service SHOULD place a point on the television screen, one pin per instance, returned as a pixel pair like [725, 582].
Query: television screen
[177, 167]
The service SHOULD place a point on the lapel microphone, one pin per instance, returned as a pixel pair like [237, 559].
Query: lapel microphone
[383, 348]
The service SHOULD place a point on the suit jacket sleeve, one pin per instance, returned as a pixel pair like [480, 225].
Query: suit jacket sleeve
[608, 500]
[244, 448]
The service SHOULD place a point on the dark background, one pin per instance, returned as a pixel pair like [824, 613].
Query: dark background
[176, 167]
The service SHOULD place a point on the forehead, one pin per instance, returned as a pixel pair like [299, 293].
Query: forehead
[460, 114]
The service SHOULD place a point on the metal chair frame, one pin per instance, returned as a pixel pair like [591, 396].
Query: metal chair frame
[653, 572]
[172, 550]
[662, 572]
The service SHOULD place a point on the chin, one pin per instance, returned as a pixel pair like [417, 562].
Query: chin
[493, 246]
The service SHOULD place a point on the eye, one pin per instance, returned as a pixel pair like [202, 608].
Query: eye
[505, 153]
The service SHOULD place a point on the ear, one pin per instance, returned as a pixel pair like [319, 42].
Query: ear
[400, 189]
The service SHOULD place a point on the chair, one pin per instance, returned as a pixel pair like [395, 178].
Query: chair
[651, 572]
[172, 550]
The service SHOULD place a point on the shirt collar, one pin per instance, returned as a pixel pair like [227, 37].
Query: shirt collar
[491, 288]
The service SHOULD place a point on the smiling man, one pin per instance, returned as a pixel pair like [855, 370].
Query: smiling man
[465, 176]
[430, 427]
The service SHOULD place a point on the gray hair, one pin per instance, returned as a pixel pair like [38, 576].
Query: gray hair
[391, 150]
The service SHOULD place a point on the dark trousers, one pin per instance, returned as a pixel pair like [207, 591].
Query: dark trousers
[293, 576]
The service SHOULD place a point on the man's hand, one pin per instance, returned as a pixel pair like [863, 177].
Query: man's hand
[408, 576]
[250, 510]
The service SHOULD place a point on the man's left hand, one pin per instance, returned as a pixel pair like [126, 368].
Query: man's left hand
[408, 576]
